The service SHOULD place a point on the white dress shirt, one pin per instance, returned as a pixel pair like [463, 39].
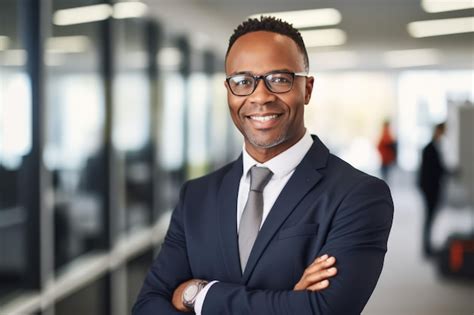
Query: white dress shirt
[282, 167]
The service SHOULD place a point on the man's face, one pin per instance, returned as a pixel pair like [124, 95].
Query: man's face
[269, 122]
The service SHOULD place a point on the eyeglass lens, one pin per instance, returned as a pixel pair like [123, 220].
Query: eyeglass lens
[245, 84]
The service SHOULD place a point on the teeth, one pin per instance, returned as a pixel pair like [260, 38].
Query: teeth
[263, 118]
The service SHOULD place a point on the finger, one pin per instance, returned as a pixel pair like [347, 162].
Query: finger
[319, 259]
[320, 275]
[330, 261]
[322, 258]
[319, 286]
[316, 268]
[315, 277]
[299, 286]
[320, 265]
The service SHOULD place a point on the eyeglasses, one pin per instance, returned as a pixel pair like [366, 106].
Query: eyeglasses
[244, 84]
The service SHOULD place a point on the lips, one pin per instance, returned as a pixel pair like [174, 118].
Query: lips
[264, 121]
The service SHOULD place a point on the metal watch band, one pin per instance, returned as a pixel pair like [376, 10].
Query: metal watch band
[190, 303]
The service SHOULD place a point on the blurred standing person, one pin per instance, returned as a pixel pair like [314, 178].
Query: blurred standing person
[387, 149]
[432, 171]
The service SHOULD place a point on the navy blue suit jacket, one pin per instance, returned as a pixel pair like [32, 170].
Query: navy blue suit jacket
[327, 206]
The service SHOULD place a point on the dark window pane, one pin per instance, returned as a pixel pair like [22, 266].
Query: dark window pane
[15, 145]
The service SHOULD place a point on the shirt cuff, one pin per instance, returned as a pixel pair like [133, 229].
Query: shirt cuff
[201, 296]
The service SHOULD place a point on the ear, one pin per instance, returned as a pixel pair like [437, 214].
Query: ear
[308, 89]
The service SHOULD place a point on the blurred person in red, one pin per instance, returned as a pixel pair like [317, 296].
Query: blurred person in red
[387, 149]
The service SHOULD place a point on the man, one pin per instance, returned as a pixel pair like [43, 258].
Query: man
[245, 239]
[432, 171]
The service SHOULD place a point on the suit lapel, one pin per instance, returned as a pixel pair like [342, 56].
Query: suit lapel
[227, 216]
[301, 182]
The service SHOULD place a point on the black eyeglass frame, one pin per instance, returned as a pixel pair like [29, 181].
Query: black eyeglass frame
[264, 77]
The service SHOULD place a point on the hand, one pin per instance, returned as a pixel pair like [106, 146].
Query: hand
[178, 296]
[315, 277]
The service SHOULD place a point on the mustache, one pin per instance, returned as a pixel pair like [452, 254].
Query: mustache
[267, 108]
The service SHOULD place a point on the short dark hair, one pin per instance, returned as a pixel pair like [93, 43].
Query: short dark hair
[441, 126]
[270, 24]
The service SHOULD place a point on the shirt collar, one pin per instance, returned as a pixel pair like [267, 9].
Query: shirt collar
[285, 162]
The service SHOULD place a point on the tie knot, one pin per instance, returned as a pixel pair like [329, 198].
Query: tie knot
[259, 178]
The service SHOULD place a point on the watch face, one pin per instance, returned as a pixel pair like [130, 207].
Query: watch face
[190, 292]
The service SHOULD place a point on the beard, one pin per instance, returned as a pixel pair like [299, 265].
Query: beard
[262, 142]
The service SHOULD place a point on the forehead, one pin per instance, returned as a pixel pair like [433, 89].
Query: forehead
[263, 51]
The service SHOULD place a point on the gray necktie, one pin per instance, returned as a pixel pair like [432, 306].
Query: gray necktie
[252, 214]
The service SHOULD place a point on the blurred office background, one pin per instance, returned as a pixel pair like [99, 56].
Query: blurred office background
[107, 107]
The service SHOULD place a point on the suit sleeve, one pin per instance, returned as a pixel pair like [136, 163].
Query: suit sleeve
[169, 270]
[357, 238]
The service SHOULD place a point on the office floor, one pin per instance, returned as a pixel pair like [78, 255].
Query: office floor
[410, 284]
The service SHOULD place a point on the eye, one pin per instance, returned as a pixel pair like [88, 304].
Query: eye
[280, 79]
[242, 81]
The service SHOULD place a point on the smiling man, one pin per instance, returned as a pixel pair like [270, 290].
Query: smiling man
[287, 228]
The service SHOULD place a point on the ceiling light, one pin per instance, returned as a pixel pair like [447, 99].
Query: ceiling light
[123, 10]
[79, 15]
[411, 58]
[434, 6]
[68, 44]
[306, 18]
[4, 42]
[326, 37]
[441, 27]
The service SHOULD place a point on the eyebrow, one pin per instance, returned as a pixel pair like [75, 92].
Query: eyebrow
[252, 73]
[240, 72]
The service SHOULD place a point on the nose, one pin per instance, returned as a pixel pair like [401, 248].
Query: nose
[261, 95]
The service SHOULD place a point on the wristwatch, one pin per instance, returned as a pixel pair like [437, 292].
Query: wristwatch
[191, 291]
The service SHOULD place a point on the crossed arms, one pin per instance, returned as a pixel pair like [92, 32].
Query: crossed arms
[357, 237]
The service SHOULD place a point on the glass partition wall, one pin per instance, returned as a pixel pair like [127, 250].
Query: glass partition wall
[173, 63]
[198, 117]
[15, 154]
[103, 116]
[131, 131]
[74, 152]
